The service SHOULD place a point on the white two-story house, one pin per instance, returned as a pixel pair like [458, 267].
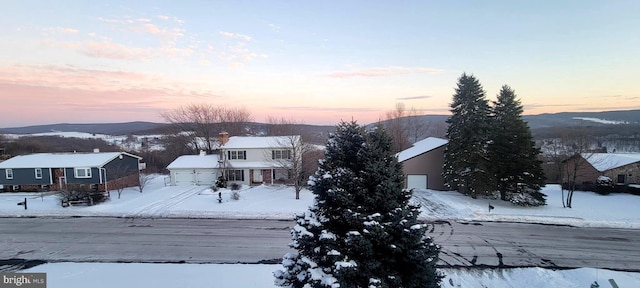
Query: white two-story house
[253, 160]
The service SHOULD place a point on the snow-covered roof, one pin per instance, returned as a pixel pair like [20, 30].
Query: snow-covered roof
[195, 161]
[607, 161]
[421, 147]
[62, 160]
[249, 142]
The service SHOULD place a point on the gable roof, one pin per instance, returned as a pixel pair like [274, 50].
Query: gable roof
[62, 160]
[607, 161]
[195, 161]
[421, 147]
[255, 142]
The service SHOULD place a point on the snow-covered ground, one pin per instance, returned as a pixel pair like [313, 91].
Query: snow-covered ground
[601, 121]
[278, 202]
[107, 275]
[126, 142]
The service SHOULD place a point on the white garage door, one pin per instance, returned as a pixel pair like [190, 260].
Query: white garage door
[205, 177]
[184, 178]
[417, 181]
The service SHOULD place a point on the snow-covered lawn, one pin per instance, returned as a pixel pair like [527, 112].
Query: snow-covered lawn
[278, 202]
[107, 275]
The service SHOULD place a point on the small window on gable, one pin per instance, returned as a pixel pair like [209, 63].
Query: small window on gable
[82, 172]
[9, 173]
[38, 172]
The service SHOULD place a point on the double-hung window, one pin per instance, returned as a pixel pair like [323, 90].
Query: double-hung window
[8, 173]
[280, 154]
[82, 172]
[237, 155]
[38, 172]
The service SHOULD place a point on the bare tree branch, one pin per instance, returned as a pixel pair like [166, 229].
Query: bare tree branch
[201, 123]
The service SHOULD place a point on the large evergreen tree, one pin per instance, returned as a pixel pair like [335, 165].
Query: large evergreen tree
[466, 168]
[512, 152]
[361, 230]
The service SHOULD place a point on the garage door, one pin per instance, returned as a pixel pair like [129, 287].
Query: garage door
[416, 181]
[205, 177]
[184, 178]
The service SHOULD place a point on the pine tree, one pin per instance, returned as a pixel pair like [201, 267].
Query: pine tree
[361, 230]
[512, 152]
[466, 168]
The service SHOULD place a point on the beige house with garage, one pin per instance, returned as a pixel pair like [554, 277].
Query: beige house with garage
[244, 160]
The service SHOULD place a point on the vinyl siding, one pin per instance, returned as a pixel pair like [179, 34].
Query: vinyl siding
[25, 176]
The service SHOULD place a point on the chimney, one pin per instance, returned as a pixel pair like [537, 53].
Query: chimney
[96, 150]
[223, 138]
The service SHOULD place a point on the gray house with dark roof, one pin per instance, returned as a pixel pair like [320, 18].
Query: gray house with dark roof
[41, 171]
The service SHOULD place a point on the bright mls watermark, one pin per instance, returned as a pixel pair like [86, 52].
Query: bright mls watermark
[23, 280]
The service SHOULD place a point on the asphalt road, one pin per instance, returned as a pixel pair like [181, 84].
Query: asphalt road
[483, 244]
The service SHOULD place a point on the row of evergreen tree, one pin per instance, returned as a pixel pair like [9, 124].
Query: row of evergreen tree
[490, 147]
[362, 231]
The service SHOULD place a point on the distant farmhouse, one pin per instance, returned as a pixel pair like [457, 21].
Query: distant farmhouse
[99, 171]
[244, 160]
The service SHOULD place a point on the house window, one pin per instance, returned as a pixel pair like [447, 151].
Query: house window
[82, 172]
[237, 155]
[235, 175]
[280, 174]
[9, 173]
[38, 172]
[280, 154]
[622, 178]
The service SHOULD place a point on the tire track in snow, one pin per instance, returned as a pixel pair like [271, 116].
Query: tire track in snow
[431, 207]
[161, 207]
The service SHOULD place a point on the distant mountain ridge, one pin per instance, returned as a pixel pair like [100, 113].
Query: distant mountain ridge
[540, 124]
[98, 128]
[578, 118]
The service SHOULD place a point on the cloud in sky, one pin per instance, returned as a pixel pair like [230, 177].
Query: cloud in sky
[235, 36]
[170, 18]
[274, 27]
[103, 49]
[414, 97]
[73, 78]
[384, 72]
[332, 109]
[537, 106]
[620, 97]
[60, 30]
[60, 91]
[109, 50]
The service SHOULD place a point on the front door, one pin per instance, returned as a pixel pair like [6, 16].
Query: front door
[257, 176]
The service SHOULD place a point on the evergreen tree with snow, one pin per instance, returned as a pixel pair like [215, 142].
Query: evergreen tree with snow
[517, 171]
[466, 167]
[361, 230]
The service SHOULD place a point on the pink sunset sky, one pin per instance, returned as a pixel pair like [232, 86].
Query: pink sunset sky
[313, 62]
